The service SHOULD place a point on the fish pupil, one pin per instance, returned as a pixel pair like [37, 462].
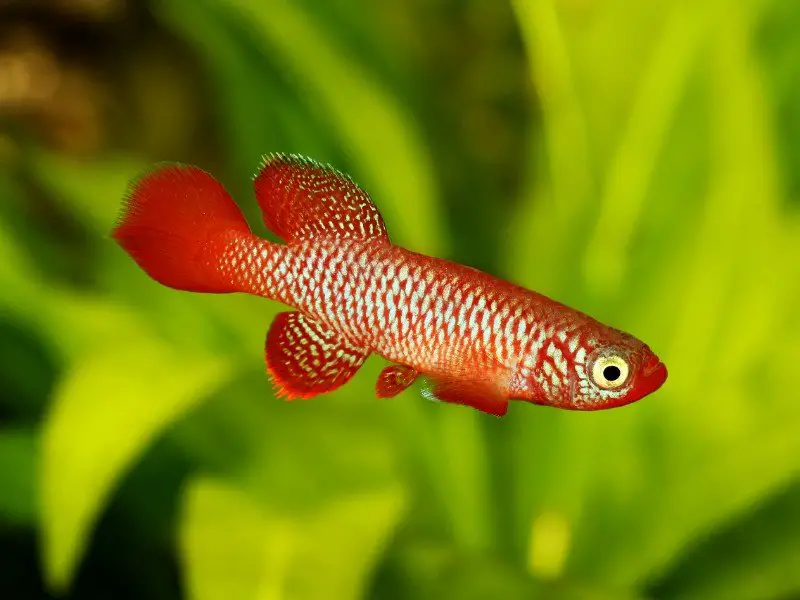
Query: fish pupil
[611, 373]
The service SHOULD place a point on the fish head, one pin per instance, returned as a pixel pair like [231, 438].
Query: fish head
[593, 367]
[612, 368]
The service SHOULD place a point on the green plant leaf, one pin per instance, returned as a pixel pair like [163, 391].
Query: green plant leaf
[649, 488]
[27, 371]
[234, 547]
[756, 557]
[93, 190]
[630, 172]
[19, 449]
[720, 331]
[465, 478]
[259, 111]
[294, 455]
[426, 569]
[18, 275]
[109, 407]
[568, 179]
[386, 147]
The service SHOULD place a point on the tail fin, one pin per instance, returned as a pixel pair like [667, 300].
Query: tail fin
[176, 224]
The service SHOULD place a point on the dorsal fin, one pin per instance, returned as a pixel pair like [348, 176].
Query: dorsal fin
[303, 199]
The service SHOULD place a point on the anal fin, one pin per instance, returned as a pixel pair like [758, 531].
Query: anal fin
[305, 359]
[395, 379]
[481, 395]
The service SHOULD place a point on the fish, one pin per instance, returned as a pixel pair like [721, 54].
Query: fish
[473, 339]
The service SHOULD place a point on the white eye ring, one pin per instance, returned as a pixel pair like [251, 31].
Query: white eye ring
[600, 375]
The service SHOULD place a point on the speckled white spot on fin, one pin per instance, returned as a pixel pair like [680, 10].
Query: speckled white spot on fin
[304, 359]
[303, 199]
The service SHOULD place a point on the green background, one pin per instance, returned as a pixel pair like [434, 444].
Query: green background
[636, 160]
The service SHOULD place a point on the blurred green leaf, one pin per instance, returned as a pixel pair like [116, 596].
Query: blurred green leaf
[630, 171]
[562, 189]
[466, 477]
[296, 456]
[27, 371]
[235, 548]
[424, 569]
[32, 304]
[710, 327]
[779, 53]
[756, 557]
[17, 275]
[476, 579]
[387, 149]
[92, 189]
[66, 320]
[259, 111]
[379, 132]
[643, 495]
[19, 450]
[111, 404]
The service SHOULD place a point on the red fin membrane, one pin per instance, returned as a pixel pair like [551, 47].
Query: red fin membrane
[176, 223]
[303, 199]
[305, 360]
[480, 395]
[394, 380]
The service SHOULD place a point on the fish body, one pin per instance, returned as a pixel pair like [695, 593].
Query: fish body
[478, 340]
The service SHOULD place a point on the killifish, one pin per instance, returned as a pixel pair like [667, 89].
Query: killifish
[476, 339]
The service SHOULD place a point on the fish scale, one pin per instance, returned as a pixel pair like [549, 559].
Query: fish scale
[488, 328]
[479, 340]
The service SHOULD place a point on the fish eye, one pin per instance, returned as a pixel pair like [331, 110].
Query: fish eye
[610, 372]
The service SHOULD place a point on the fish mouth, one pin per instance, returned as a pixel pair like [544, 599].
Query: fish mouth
[652, 365]
[654, 375]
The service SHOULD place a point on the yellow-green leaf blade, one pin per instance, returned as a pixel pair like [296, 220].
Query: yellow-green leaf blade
[234, 547]
[373, 127]
[111, 404]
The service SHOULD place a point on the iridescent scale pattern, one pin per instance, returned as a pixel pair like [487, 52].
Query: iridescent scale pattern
[438, 317]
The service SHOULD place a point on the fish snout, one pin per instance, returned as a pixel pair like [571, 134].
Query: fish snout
[654, 374]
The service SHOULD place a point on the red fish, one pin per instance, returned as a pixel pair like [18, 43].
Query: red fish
[478, 340]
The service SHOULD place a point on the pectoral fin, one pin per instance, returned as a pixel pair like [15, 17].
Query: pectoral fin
[394, 380]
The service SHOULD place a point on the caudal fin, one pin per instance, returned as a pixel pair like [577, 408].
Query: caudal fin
[176, 223]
